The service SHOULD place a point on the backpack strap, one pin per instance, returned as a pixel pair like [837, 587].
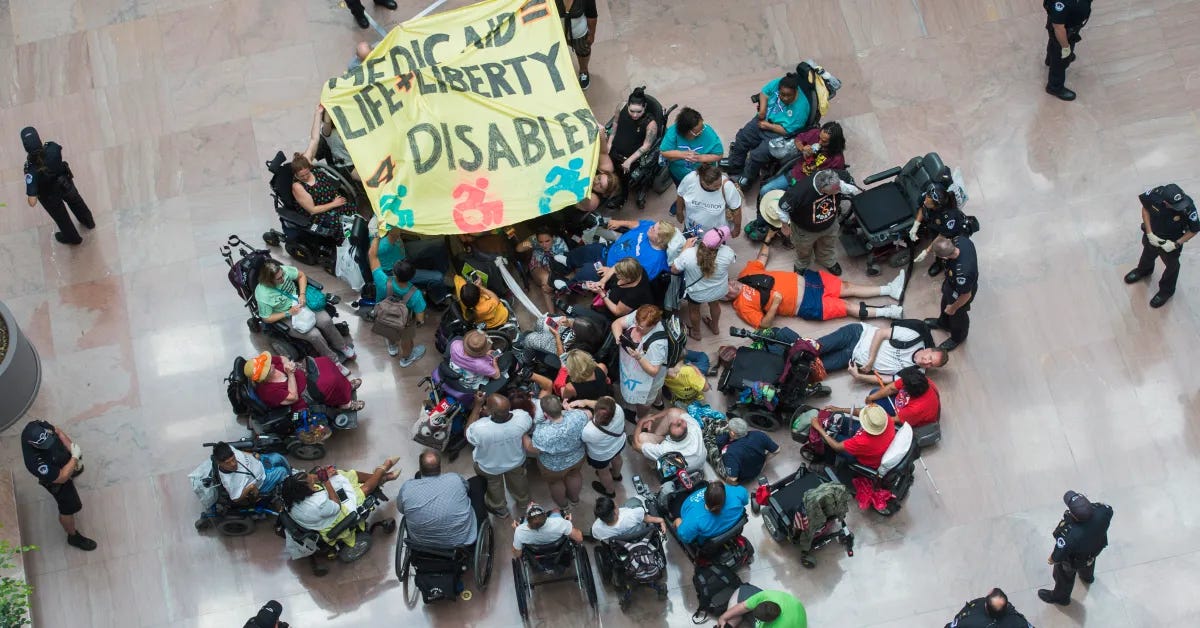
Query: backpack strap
[923, 334]
[653, 338]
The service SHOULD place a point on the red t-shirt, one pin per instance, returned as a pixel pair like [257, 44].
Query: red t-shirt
[868, 449]
[336, 388]
[916, 411]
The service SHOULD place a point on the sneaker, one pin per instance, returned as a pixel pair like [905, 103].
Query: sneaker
[349, 353]
[891, 311]
[584, 80]
[343, 370]
[81, 541]
[418, 352]
[896, 288]
[561, 259]
[393, 349]
[559, 285]
[835, 270]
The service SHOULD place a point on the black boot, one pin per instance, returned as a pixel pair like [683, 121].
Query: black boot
[81, 541]
[1047, 596]
[1061, 93]
[362, 21]
[1160, 299]
[1135, 276]
[387, 4]
[936, 267]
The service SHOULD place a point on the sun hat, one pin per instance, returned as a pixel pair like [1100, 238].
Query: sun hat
[768, 208]
[256, 368]
[874, 419]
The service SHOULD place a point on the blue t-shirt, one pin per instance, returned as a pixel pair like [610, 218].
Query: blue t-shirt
[791, 117]
[390, 253]
[744, 457]
[700, 525]
[416, 303]
[709, 143]
[635, 243]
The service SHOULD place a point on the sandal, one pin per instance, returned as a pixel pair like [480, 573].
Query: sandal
[600, 489]
[354, 406]
[693, 333]
[355, 383]
[712, 326]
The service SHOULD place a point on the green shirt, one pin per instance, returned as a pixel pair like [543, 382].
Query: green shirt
[791, 611]
[272, 299]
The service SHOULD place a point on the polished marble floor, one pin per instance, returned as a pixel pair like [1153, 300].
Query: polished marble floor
[168, 108]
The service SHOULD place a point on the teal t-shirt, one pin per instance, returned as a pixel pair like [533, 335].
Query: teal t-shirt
[390, 253]
[791, 117]
[416, 303]
[791, 611]
[708, 143]
[273, 300]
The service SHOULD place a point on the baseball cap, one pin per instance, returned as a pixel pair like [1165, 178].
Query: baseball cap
[30, 139]
[1078, 505]
[715, 237]
[534, 510]
[37, 435]
[267, 616]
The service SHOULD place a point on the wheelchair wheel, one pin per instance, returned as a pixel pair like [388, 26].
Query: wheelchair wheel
[305, 451]
[403, 554]
[603, 566]
[900, 258]
[300, 253]
[252, 325]
[587, 582]
[522, 589]
[272, 237]
[484, 546]
[235, 526]
[500, 341]
[755, 507]
[362, 544]
[765, 421]
[203, 523]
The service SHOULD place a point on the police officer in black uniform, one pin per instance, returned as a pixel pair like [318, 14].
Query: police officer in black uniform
[992, 611]
[267, 617]
[958, 288]
[1168, 221]
[55, 461]
[1078, 539]
[940, 214]
[360, 12]
[48, 179]
[1064, 20]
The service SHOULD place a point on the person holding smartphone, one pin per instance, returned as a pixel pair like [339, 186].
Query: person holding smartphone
[643, 356]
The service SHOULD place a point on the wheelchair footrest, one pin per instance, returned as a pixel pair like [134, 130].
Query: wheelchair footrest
[854, 246]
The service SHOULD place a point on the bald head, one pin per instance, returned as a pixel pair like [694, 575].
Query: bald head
[431, 463]
[362, 50]
[498, 408]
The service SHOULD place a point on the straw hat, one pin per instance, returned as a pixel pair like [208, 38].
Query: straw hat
[874, 419]
[257, 368]
[768, 208]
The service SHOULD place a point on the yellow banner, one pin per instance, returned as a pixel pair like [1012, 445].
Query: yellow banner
[468, 120]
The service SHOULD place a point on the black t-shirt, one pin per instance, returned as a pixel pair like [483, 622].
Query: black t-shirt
[634, 296]
[1070, 13]
[631, 134]
[46, 464]
[962, 272]
[580, 8]
[809, 209]
[1170, 223]
[43, 181]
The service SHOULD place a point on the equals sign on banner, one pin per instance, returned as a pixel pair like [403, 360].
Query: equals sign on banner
[533, 11]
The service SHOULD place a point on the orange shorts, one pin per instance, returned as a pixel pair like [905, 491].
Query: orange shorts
[822, 299]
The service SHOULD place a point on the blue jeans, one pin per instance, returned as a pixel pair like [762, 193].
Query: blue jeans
[276, 469]
[887, 403]
[838, 347]
[583, 260]
[778, 183]
[699, 359]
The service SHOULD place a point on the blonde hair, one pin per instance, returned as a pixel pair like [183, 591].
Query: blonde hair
[580, 366]
[666, 231]
[628, 269]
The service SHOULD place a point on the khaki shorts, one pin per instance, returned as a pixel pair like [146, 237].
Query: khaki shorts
[555, 476]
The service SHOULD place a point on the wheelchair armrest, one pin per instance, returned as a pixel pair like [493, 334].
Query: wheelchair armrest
[880, 176]
[865, 471]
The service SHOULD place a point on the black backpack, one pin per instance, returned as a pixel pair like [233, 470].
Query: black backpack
[234, 386]
[642, 563]
[715, 585]
[924, 335]
[674, 335]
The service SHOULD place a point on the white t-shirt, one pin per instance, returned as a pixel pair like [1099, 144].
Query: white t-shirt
[706, 209]
[627, 519]
[318, 512]
[638, 386]
[498, 445]
[706, 289]
[889, 360]
[692, 447]
[249, 471]
[601, 446]
[554, 529]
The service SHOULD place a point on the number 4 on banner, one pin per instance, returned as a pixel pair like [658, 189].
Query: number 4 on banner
[383, 174]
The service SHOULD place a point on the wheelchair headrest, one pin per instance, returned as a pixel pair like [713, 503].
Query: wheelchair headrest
[643, 530]
[276, 161]
[898, 450]
[656, 111]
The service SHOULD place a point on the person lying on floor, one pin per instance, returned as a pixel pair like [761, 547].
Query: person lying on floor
[759, 295]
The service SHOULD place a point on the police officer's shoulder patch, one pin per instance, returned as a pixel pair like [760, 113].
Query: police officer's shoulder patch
[1058, 6]
[1192, 216]
[1060, 542]
[43, 469]
[28, 178]
[962, 281]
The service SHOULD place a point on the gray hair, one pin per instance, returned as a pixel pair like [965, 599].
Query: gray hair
[738, 427]
[825, 179]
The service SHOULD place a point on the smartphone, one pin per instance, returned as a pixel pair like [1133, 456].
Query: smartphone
[342, 496]
[628, 342]
[597, 266]
[551, 322]
[473, 276]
